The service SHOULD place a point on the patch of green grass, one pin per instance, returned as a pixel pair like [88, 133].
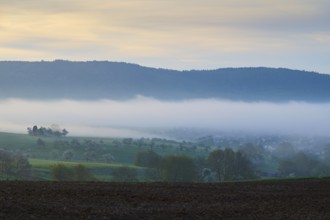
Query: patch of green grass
[279, 179]
[102, 171]
[123, 153]
[16, 141]
[49, 163]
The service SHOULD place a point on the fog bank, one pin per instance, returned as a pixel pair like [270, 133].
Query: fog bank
[109, 118]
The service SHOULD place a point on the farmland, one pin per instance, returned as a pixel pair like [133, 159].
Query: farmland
[100, 156]
[280, 199]
[141, 158]
[42, 168]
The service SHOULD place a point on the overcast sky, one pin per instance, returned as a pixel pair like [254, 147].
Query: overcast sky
[176, 34]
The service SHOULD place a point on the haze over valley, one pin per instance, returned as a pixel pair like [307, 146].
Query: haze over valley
[101, 117]
[119, 99]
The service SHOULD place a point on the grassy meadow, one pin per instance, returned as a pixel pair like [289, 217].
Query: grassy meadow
[100, 156]
[102, 171]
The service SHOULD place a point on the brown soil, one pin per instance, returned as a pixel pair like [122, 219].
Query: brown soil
[295, 199]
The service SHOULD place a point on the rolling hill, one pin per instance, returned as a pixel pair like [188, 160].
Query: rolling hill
[120, 81]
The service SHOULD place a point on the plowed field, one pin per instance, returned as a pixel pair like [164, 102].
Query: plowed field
[294, 199]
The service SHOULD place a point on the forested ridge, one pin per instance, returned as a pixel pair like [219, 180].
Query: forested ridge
[121, 81]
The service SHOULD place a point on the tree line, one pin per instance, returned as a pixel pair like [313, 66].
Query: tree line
[220, 165]
[14, 166]
[60, 172]
[46, 132]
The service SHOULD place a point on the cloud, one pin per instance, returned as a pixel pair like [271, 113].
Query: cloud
[92, 117]
[176, 34]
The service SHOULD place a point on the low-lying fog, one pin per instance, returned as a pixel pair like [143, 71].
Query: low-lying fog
[109, 118]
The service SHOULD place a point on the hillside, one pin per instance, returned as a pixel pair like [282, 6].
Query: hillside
[112, 80]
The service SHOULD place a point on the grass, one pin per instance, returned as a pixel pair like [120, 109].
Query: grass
[16, 141]
[49, 163]
[280, 179]
[102, 171]
[122, 152]
[52, 151]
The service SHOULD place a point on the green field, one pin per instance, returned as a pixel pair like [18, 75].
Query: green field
[123, 150]
[93, 153]
[104, 156]
[102, 171]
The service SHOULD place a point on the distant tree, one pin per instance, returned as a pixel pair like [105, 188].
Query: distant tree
[46, 132]
[230, 165]
[54, 154]
[35, 130]
[108, 158]
[68, 155]
[124, 174]
[22, 168]
[127, 141]
[41, 143]
[30, 131]
[14, 166]
[255, 153]
[216, 162]
[178, 169]
[140, 142]
[148, 159]
[6, 159]
[61, 172]
[90, 155]
[302, 165]
[206, 141]
[285, 151]
[243, 166]
[201, 164]
[287, 168]
[152, 144]
[152, 161]
[75, 143]
[81, 173]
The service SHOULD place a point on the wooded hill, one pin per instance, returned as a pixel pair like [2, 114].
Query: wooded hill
[112, 80]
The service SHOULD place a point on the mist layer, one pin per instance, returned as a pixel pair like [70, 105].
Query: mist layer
[102, 116]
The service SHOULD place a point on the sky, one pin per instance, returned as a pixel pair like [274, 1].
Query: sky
[173, 34]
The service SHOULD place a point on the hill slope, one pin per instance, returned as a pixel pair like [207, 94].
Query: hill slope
[112, 80]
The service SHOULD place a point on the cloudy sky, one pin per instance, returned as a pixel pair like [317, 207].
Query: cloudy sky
[176, 34]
